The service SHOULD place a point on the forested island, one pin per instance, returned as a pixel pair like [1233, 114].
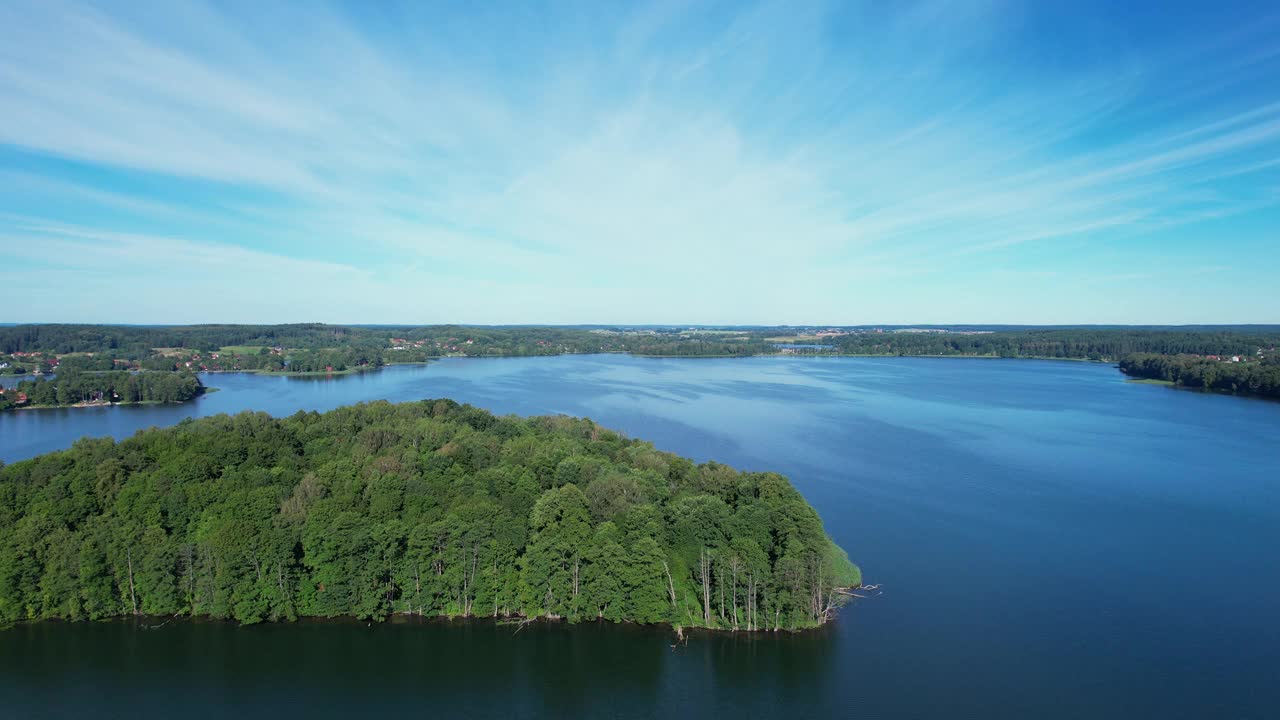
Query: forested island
[427, 508]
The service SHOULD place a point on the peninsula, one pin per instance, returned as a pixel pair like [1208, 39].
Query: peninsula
[427, 508]
[74, 388]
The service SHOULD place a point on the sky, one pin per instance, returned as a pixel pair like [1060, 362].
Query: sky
[710, 163]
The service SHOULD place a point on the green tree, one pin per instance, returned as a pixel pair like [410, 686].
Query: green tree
[561, 525]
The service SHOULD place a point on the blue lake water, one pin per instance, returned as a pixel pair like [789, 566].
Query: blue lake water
[1051, 540]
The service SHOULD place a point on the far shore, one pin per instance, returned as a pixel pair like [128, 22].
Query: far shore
[99, 404]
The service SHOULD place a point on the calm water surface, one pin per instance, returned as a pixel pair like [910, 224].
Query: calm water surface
[1053, 542]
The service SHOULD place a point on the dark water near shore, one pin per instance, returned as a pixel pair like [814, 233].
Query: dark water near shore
[1053, 542]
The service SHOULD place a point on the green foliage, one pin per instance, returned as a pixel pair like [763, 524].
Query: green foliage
[72, 387]
[1249, 376]
[331, 359]
[317, 348]
[1073, 343]
[428, 508]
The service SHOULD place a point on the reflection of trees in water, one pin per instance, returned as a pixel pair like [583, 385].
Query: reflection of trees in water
[604, 670]
[769, 674]
[595, 669]
[434, 668]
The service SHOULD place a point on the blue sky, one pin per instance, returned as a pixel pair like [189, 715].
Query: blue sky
[846, 163]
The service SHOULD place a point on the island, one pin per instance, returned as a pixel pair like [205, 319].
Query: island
[427, 508]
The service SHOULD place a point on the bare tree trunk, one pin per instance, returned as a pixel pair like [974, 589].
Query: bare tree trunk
[471, 585]
[817, 589]
[721, 585]
[417, 586]
[391, 586]
[830, 605]
[186, 555]
[284, 591]
[133, 596]
[705, 567]
[734, 567]
[462, 592]
[257, 567]
[671, 586]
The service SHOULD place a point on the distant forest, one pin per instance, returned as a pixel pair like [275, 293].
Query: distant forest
[317, 348]
[1249, 378]
[140, 343]
[1080, 343]
[426, 508]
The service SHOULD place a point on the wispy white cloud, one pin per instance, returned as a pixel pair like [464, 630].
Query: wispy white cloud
[80, 247]
[709, 151]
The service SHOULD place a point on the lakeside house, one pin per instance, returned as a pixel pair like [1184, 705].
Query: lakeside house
[17, 398]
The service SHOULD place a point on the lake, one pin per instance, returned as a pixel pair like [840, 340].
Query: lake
[1052, 541]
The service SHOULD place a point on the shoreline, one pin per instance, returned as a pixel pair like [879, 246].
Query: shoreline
[286, 373]
[777, 354]
[83, 405]
[516, 622]
[1150, 381]
[1139, 380]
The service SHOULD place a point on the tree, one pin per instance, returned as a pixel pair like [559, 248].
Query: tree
[561, 525]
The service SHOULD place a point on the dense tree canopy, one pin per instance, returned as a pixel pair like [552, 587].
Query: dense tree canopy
[317, 348]
[140, 340]
[373, 342]
[1077, 343]
[1252, 378]
[429, 508]
[72, 387]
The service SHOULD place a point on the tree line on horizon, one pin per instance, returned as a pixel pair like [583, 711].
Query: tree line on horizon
[140, 342]
[333, 348]
[426, 508]
[1074, 344]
